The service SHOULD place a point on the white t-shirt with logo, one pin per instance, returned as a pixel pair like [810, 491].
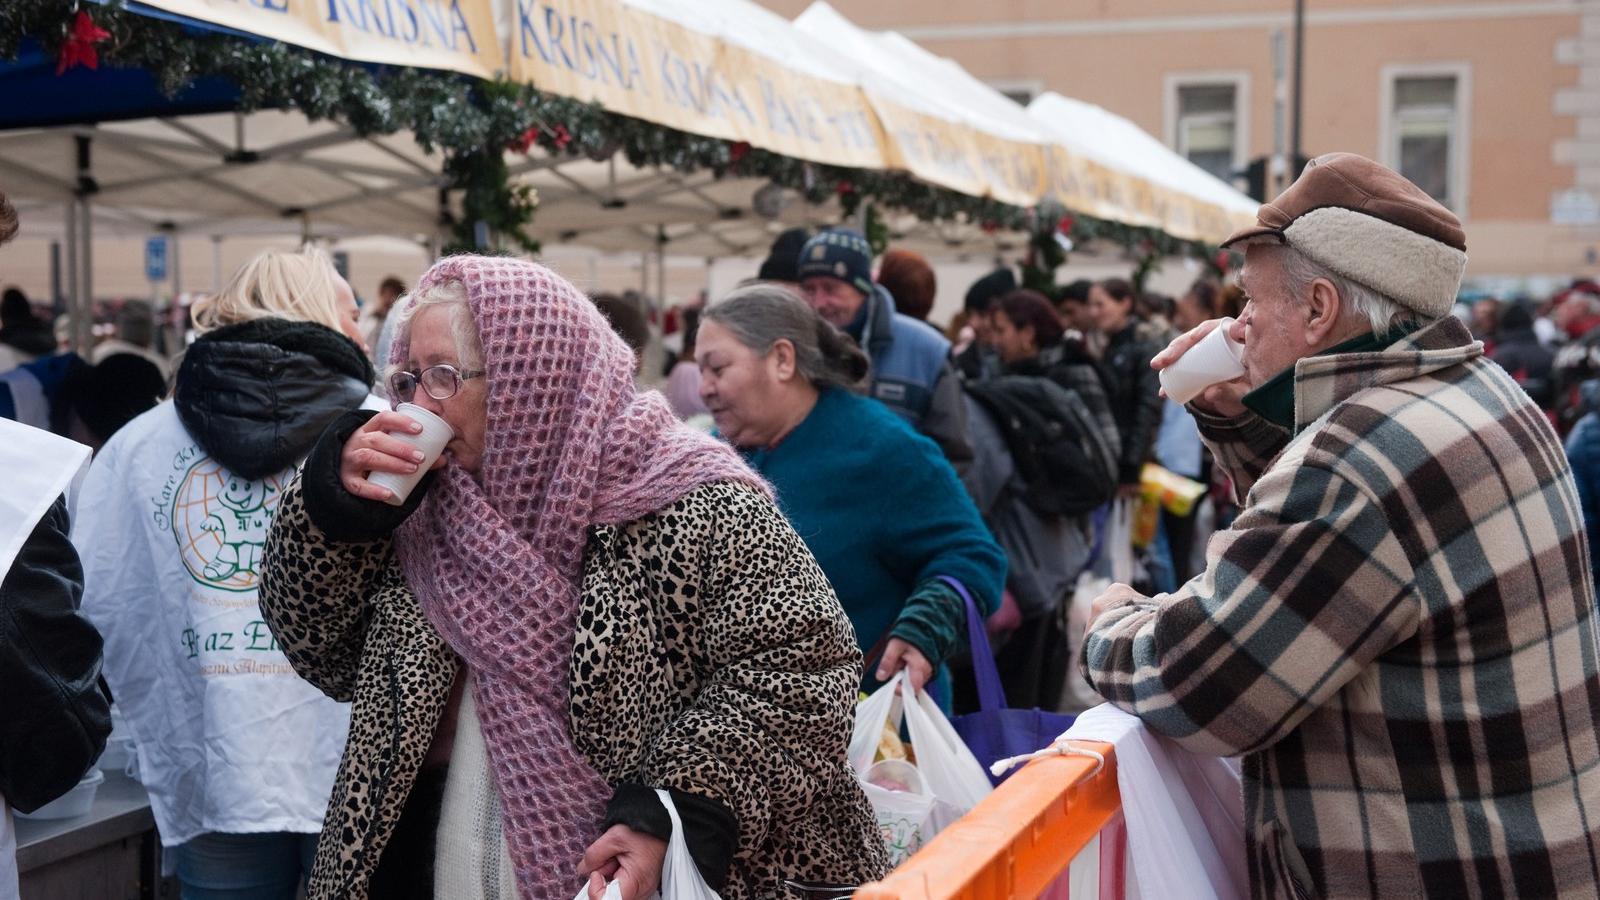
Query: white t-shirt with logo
[229, 738]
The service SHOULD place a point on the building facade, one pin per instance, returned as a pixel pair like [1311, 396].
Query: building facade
[1491, 105]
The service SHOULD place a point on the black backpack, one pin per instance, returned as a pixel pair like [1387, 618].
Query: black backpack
[1063, 441]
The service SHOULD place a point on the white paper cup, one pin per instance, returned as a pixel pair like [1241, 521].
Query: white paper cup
[1215, 359]
[431, 440]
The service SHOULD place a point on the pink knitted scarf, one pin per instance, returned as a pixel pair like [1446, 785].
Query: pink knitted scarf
[496, 560]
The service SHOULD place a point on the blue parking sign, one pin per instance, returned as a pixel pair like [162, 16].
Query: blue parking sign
[155, 258]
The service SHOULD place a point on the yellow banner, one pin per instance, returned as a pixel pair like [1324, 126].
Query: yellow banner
[655, 69]
[456, 35]
[961, 158]
[1087, 186]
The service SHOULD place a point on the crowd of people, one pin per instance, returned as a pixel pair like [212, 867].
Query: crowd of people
[598, 592]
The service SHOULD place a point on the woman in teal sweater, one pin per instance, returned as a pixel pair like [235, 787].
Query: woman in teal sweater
[877, 503]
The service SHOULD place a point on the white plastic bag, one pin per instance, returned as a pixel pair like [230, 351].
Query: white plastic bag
[1075, 692]
[680, 878]
[952, 773]
[1184, 811]
[949, 780]
[1118, 545]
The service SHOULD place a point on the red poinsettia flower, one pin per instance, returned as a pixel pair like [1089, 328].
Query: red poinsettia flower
[561, 136]
[1065, 225]
[738, 150]
[844, 187]
[78, 48]
[523, 142]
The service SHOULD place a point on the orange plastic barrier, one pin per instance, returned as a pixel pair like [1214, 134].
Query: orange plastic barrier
[1018, 841]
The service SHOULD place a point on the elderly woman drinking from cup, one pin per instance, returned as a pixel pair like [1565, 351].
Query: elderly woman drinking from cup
[877, 503]
[585, 601]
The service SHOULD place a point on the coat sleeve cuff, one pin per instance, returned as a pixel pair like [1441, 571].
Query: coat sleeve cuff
[932, 621]
[339, 514]
[709, 827]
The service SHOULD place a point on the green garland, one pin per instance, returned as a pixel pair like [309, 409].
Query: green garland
[472, 122]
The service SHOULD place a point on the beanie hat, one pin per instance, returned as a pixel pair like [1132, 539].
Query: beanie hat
[783, 259]
[989, 288]
[1372, 226]
[840, 253]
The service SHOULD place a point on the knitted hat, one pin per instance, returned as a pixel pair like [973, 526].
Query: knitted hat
[783, 260]
[989, 288]
[840, 253]
[1372, 226]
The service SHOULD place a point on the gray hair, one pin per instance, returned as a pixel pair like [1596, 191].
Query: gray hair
[760, 315]
[450, 294]
[1384, 313]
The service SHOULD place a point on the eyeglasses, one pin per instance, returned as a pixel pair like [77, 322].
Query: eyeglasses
[441, 382]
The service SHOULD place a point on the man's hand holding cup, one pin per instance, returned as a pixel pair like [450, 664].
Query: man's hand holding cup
[1203, 366]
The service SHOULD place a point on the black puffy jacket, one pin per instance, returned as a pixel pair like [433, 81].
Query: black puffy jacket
[1134, 392]
[258, 394]
[53, 717]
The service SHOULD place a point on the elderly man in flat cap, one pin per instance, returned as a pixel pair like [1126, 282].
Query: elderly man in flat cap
[1397, 635]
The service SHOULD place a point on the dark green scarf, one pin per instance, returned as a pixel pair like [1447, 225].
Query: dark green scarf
[1274, 401]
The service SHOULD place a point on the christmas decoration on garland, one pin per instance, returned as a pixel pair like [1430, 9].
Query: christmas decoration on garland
[78, 48]
[472, 123]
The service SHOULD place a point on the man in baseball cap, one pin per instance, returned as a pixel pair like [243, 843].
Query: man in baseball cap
[1397, 634]
[911, 373]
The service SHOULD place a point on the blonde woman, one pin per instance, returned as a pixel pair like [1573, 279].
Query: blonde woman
[237, 752]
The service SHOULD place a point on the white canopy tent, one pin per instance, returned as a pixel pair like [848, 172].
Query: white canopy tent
[278, 173]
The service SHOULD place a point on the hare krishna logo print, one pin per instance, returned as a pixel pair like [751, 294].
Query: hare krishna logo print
[220, 521]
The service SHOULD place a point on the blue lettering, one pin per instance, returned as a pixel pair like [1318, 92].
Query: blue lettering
[333, 10]
[370, 16]
[584, 36]
[779, 118]
[413, 27]
[527, 32]
[610, 57]
[635, 70]
[436, 26]
[554, 27]
[460, 29]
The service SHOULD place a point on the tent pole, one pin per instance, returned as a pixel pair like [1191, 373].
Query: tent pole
[659, 306]
[644, 274]
[83, 309]
[216, 264]
[71, 295]
[177, 266]
[83, 327]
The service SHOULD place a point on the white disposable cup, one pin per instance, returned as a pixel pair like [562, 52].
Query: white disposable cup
[1215, 359]
[435, 433]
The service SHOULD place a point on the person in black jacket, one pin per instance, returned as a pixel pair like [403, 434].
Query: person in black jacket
[55, 719]
[1045, 553]
[1518, 351]
[1131, 384]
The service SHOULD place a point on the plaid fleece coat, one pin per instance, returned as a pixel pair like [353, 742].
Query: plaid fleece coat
[1397, 636]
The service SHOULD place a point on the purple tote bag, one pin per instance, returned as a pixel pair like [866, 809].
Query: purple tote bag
[996, 732]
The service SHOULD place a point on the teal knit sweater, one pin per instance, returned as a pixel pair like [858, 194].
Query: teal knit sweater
[885, 515]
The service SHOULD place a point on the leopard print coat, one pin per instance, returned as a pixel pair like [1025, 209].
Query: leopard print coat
[711, 657]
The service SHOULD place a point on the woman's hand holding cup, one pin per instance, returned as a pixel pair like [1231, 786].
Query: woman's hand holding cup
[374, 448]
[1222, 397]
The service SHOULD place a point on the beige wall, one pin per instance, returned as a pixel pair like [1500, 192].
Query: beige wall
[1521, 59]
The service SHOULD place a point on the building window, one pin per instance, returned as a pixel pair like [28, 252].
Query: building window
[1207, 120]
[1425, 129]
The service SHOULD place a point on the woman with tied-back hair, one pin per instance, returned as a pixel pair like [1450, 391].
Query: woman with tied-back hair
[877, 503]
[586, 602]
